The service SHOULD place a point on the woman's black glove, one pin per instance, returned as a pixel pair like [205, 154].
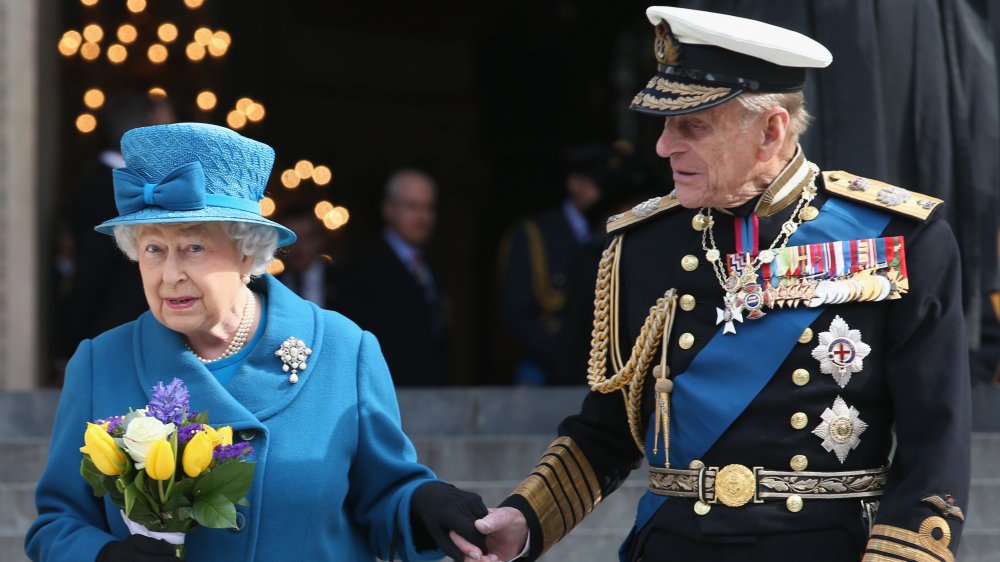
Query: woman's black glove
[441, 507]
[137, 548]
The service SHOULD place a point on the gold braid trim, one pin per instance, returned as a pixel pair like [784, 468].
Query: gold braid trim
[919, 547]
[548, 297]
[562, 490]
[669, 86]
[683, 102]
[629, 377]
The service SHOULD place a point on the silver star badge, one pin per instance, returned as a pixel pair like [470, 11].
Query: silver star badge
[841, 429]
[840, 351]
[293, 353]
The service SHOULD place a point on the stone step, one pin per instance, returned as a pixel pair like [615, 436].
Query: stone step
[481, 457]
[12, 548]
[28, 414]
[487, 410]
[17, 507]
[23, 459]
[983, 511]
[979, 546]
[985, 456]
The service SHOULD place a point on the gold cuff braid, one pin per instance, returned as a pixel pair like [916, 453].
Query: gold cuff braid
[562, 490]
[904, 544]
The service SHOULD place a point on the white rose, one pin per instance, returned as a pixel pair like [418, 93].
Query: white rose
[140, 434]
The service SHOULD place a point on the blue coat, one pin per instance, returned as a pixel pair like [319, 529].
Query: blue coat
[334, 473]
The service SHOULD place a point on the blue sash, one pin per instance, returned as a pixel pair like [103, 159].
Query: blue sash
[720, 382]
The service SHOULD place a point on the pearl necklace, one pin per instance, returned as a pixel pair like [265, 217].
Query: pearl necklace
[242, 332]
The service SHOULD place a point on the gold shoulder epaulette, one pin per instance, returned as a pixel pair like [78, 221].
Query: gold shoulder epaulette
[641, 212]
[882, 195]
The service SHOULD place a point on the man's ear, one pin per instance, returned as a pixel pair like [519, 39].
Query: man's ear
[774, 134]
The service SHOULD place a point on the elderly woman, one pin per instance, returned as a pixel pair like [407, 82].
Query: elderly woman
[335, 478]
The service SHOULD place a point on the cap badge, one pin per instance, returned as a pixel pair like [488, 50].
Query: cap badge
[664, 48]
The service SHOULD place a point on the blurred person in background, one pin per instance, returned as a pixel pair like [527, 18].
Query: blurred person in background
[547, 263]
[308, 269]
[392, 291]
[103, 274]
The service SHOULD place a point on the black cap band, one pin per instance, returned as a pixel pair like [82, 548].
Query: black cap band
[712, 65]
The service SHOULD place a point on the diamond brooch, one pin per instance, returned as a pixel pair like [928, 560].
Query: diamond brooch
[293, 353]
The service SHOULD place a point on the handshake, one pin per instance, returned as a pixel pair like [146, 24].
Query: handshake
[461, 526]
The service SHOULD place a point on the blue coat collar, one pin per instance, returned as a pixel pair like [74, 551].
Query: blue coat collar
[260, 389]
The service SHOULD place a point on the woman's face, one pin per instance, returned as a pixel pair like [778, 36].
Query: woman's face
[191, 276]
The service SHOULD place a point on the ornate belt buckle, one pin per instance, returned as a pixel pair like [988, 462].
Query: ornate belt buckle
[735, 485]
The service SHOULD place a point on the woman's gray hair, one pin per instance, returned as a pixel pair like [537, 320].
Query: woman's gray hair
[258, 241]
[794, 102]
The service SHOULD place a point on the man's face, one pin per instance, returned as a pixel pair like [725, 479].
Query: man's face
[583, 191]
[309, 244]
[409, 211]
[711, 153]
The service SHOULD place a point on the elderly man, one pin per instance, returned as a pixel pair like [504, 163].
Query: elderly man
[771, 331]
[393, 291]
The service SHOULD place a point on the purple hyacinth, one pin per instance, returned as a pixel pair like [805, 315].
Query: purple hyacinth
[169, 403]
[113, 422]
[224, 453]
[185, 433]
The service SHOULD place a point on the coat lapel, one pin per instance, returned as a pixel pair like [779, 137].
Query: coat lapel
[260, 384]
[160, 355]
[260, 389]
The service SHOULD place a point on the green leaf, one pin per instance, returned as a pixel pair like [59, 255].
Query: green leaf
[111, 486]
[175, 502]
[147, 487]
[131, 495]
[93, 476]
[215, 511]
[184, 488]
[243, 502]
[231, 480]
[202, 417]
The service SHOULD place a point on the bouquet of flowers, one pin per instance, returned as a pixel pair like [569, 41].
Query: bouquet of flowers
[166, 468]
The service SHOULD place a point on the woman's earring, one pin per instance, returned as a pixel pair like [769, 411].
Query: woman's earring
[245, 278]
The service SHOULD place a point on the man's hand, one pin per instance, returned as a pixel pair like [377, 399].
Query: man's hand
[506, 533]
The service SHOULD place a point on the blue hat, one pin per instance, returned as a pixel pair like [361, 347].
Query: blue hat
[191, 172]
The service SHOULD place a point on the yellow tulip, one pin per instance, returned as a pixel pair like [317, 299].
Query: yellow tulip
[226, 434]
[197, 454]
[103, 450]
[160, 463]
[221, 436]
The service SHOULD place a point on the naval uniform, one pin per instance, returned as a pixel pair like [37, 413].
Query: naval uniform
[825, 480]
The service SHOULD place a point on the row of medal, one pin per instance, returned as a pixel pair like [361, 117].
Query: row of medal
[815, 275]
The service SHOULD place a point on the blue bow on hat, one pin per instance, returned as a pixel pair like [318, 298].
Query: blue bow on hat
[181, 190]
[191, 172]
